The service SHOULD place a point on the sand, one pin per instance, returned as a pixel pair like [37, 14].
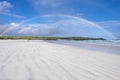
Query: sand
[39, 60]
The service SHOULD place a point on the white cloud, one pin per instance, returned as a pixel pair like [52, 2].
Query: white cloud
[52, 6]
[5, 9]
[6, 27]
[50, 3]
[12, 15]
[5, 6]
[14, 24]
[35, 30]
[27, 30]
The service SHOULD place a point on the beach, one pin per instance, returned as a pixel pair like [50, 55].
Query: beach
[40, 60]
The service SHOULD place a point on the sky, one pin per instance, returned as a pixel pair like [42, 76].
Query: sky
[103, 13]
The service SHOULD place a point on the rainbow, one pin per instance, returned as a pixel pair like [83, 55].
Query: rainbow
[79, 18]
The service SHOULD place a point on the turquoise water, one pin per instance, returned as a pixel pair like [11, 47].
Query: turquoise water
[100, 42]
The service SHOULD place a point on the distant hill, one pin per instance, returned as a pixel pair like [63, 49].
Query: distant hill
[47, 38]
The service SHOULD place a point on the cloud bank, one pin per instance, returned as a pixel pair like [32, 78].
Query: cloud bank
[67, 26]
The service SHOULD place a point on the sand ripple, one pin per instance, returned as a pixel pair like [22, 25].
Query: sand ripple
[38, 60]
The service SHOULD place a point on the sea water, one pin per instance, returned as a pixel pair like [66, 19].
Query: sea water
[109, 46]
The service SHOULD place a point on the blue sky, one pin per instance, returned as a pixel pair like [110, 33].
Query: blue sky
[102, 12]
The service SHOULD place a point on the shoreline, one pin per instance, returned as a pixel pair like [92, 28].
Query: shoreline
[113, 49]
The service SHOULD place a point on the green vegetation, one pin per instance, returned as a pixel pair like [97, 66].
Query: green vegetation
[46, 38]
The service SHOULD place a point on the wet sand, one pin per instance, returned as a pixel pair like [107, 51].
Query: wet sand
[39, 60]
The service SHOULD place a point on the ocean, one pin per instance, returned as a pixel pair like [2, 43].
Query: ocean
[109, 46]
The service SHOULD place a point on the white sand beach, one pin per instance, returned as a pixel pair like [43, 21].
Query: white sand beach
[39, 60]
